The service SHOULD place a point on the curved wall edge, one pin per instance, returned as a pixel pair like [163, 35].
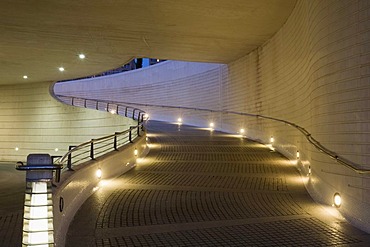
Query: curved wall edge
[32, 121]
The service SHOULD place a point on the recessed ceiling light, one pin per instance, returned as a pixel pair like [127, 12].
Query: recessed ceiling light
[25, 77]
[81, 56]
[61, 69]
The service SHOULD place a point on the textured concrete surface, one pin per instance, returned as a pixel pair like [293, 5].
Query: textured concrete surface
[40, 124]
[205, 188]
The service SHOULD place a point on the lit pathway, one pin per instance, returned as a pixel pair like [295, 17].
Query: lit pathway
[202, 188]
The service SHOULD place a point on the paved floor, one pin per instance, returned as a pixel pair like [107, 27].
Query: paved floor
[12, 187]
[203, 188]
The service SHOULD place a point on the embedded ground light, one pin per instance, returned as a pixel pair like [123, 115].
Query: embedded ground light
[99, 173]
[337, 200]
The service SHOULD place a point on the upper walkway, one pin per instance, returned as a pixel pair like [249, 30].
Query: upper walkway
[206, 188]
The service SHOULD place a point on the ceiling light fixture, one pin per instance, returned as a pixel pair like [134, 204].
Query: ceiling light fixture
[61, 69]
[25, 77]
[81, 56]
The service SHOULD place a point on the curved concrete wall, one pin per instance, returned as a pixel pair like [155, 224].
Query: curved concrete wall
[314, 72]
[34, 122]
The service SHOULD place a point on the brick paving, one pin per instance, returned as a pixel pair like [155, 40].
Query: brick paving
[202, 188]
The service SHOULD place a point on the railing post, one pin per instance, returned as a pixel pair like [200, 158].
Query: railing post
[138, 130]
[69, 163]
[142, 118]
[73, 99]
[133, 114]
[138, 118]
[92, 149]
[97, 105]
[85, 103]
[130, 135]
[107, 107]
[126, 111]
[115, 142]
[57, 172]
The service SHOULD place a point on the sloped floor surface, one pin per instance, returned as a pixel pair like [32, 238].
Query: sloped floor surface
[206, 188]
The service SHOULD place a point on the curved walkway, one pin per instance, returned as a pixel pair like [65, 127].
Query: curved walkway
[203, 188]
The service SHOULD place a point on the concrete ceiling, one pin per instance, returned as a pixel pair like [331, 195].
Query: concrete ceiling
[38, 36]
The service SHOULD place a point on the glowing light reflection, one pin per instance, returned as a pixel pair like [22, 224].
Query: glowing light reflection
[99, 173]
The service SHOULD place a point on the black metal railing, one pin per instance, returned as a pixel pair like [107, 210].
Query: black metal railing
[97, 147]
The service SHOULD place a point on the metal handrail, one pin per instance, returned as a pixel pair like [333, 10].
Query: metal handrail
[126, 133]
[349, 164]
[85, 100]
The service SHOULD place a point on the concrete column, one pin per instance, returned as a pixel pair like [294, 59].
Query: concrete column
[38, 227]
